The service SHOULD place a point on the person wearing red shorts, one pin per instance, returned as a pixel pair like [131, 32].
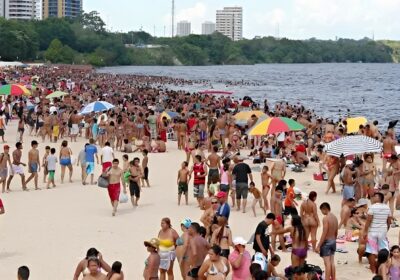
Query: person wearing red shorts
[107, 156]
[114, 175]
[2, 211]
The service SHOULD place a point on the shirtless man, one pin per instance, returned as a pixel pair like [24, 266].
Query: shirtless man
[221, 126]
[209, 213]
[345, 212]
[181, 129]
[388, 148]
[368, 173]
[277, 210]
[75, 119]
[4, 159]
[327, 242]
[198, 249]
[115, 176]
[348, 181]
[265, 181]
[134, 181]
[16, 167]
[182, 181]
[33, 164]
[214, 164]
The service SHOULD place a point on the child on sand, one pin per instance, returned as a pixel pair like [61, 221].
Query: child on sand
[145, 167]
[182, 181]
[44, 165]
[257, 198]
[271, 272]
[125, 169]
[51, 167]
[213, 189]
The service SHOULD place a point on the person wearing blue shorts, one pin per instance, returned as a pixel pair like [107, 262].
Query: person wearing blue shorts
[90, 154]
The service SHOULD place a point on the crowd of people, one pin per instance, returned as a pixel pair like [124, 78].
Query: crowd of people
[216, 170]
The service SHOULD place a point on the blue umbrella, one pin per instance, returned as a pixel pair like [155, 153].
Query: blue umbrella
[98, 106]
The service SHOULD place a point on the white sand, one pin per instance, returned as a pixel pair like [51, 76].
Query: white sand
[51, 230]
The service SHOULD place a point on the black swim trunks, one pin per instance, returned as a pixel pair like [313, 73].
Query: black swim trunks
[146, 173]
[134, 189]
[194, 272]
[328, 248]
[182, 188]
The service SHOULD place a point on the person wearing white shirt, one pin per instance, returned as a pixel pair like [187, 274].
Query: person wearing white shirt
[107, 156]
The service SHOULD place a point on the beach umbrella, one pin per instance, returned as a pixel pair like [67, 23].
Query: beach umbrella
[169, 115]
[274, 125]
[353, 145]
[56, 94]
[246, 115]
[97, 106]
[353, 124]
[217, 92]
[14, 90]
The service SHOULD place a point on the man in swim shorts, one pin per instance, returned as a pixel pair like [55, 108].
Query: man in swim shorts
[90, 153]
[198, 251]
[33, 164]
[134, 180]
[348, 189]
[114, 186]
[17, 167]
[4, 160]
[182, 180]
[200, 172]
[327, 243]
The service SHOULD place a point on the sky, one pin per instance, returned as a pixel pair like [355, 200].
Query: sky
[294, 19]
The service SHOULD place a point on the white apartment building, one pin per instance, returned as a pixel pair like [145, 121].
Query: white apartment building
[208, 28]
[39, 9]
[230, 22]
[18, 9]
[184, 28]
[2, 8]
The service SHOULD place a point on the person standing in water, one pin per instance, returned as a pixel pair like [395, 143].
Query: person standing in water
[34, 164]
[115, 177]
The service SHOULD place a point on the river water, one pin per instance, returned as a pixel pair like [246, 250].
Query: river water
[370, 90]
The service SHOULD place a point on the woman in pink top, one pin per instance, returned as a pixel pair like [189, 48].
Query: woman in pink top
[240, 260]
[224, 184]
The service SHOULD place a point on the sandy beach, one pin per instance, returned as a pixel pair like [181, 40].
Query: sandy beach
[50, 230]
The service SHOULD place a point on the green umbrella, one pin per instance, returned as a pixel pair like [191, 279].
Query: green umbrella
[57, 94]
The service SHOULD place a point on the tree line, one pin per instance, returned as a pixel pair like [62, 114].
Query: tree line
[85, 40]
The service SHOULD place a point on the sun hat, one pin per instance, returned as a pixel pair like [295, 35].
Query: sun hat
[154, 242]
[239, 241]
[221, 195]
[349, 162]
[186, 222]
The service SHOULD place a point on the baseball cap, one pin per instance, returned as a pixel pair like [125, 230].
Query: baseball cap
[362, 202]
[221, 195]
[186, 222]
[6, 147]
[349, 162]
[239, 241]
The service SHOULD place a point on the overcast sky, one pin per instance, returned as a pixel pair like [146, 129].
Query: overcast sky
[295, 19]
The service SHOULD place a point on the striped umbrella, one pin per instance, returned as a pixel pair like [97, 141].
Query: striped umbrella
[97, 106]
[353, 145]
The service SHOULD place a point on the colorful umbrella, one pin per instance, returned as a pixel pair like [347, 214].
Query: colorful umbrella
[56, 94]
[14, 90]
[169, 114]
[274, 125]
[246, 115]
[353, 124]
[97, 106]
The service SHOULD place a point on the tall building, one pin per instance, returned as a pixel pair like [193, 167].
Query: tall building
[208, 28]
[230, 22]
[39, 9]
[184, 28]
[17, 9]
[62, 8]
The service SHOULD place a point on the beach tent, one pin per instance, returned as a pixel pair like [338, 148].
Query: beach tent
[353, 145]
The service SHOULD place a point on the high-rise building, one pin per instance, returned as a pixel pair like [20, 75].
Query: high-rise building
[39, 9]
[184, 28]
[17, 9]
[208, 28]
[62, 8]
[230, 22]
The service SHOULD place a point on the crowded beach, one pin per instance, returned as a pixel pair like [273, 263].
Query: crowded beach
[116, 177]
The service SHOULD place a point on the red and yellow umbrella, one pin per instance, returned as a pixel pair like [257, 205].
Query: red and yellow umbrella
[274, 125]
[14, 90]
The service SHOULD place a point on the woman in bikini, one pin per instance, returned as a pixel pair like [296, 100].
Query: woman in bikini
[265, 181]
[82, 267]
[119, 134]
[299, 238]
[182, 248]
[222, 237]
[111, 134]
[332, 164]
[278, 172]
[102, 130]
[309, 218]
[216, 267]
[392, 177]
[167, 237]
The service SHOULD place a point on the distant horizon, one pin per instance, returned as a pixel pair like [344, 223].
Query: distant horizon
[291, 19]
